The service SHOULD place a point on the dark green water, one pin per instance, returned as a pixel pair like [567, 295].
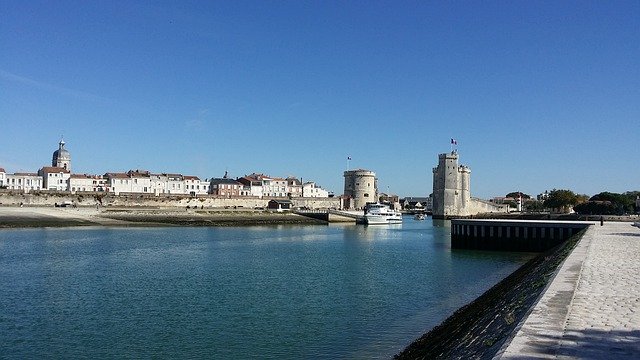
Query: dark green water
[233, 293]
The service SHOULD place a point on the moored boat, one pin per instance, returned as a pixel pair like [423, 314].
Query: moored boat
[378, 214]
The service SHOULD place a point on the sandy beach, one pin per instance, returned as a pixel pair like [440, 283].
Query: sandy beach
[24, 217]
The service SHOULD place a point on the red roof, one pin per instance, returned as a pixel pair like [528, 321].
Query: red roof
[2, 170]
[188, 177]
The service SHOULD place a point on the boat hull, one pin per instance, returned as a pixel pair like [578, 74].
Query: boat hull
[382, 219]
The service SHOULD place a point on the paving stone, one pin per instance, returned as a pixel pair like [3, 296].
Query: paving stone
[590, 309]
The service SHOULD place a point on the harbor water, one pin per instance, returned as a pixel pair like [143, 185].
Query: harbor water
[322, 292]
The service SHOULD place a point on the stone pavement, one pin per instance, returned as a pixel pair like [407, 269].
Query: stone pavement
[591, 309]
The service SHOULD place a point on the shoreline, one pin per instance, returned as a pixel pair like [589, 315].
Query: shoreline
[44, 216]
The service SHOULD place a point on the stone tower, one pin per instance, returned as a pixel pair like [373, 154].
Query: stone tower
[61, 157]
[451, 182]
[360, 188]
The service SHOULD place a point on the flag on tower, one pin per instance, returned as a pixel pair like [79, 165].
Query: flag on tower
[454, 142]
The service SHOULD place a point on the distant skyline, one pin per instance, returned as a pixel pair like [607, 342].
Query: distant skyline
[538, 94]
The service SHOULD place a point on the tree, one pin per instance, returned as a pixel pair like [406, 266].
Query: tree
[596, 208]
[534, 206]
[622, 203]
[517, 194]
[560, 199]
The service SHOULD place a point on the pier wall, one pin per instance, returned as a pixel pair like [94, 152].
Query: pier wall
[50, 198]
[512, 235]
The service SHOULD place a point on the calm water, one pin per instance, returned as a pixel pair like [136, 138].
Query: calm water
[231, 293]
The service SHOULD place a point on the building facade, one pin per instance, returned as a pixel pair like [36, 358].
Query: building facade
[311, 189]
[54, 178]
[58, 177]
[360, 188]
[84, 182]
[23, 181]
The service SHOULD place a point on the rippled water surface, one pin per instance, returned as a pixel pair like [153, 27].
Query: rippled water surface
[234, 293]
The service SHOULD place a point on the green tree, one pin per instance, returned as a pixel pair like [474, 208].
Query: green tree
[517, 194]
[596, 208]
[561, 199]
[534, 206]
[621, 202]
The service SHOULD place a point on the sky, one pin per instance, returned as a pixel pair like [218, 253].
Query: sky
[538, 94]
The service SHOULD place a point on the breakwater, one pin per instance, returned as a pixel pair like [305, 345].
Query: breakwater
[512, 235]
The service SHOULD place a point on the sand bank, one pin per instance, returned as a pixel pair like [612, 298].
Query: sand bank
[23, 217]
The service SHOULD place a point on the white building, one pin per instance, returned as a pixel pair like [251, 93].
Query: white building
[84, 182]
[22, 181]
[54, 178]
[167, 183]
[311, 189]
[194, 186]
[3, 178]
[204, 187]
[137, 182]
[175, 184]
[255, 183]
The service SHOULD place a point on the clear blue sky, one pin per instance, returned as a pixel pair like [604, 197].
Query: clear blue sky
[539, 94]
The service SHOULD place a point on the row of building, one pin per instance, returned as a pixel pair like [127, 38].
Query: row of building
[58, 177]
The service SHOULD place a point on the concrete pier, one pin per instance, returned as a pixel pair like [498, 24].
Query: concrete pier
[591, 308]
[512, 235]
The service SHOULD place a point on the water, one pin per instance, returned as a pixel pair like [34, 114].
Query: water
[324, 292]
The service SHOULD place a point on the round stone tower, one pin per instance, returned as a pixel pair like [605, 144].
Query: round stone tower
[360, 188]
[61, 157]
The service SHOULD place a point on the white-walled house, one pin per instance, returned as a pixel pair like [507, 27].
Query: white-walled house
[311, 189]
[204, 187]
[54, 178]
[141, 181]
[84, 182]
[23, 181]
[255, 183]
[118, 182]
[175, 184]
[3, 178]
[194, 186]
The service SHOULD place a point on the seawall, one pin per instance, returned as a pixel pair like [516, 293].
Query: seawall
[480, 328]
[50, 198]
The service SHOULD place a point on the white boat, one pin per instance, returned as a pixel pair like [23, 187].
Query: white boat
[377, 213]
[419, 216]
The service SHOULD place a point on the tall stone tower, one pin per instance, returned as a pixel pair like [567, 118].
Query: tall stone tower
[61, 157]
[360, 187]
[451, 193]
